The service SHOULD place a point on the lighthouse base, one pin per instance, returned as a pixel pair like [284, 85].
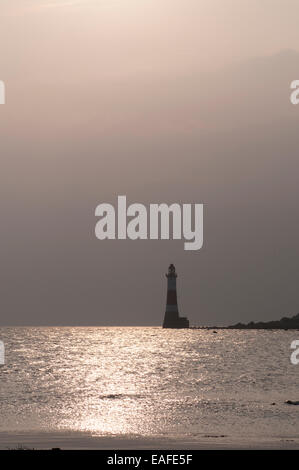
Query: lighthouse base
[172, 320]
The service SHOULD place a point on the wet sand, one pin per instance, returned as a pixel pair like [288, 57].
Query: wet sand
[81, 440]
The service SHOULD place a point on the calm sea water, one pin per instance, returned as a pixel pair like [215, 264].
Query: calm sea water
[149, 382]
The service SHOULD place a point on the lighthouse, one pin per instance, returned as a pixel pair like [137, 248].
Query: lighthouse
[171, 317]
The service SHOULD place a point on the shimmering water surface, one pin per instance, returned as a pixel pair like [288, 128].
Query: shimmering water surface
[149, 382]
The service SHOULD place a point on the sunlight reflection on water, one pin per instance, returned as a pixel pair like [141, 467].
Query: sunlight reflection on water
[148, 381]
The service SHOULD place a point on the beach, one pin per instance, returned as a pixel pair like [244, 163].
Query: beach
[87, 441]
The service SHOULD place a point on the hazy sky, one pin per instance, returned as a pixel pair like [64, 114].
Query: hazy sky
[163, 101]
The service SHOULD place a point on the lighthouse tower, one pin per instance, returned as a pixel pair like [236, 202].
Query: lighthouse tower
[172, 318]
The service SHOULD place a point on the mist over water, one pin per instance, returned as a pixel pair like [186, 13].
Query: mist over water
[149, 382]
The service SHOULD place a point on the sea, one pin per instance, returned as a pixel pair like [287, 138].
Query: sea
[191, 385]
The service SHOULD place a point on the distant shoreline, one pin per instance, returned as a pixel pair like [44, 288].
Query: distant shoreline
[242, 328]
[285, 323]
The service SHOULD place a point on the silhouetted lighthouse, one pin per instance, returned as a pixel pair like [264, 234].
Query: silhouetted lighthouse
[172, 318]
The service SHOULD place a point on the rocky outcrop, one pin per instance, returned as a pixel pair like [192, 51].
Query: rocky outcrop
[285, 323]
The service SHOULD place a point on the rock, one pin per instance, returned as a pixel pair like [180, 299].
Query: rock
[290, 402]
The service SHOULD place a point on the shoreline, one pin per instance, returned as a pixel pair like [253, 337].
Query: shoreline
[76, 440]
